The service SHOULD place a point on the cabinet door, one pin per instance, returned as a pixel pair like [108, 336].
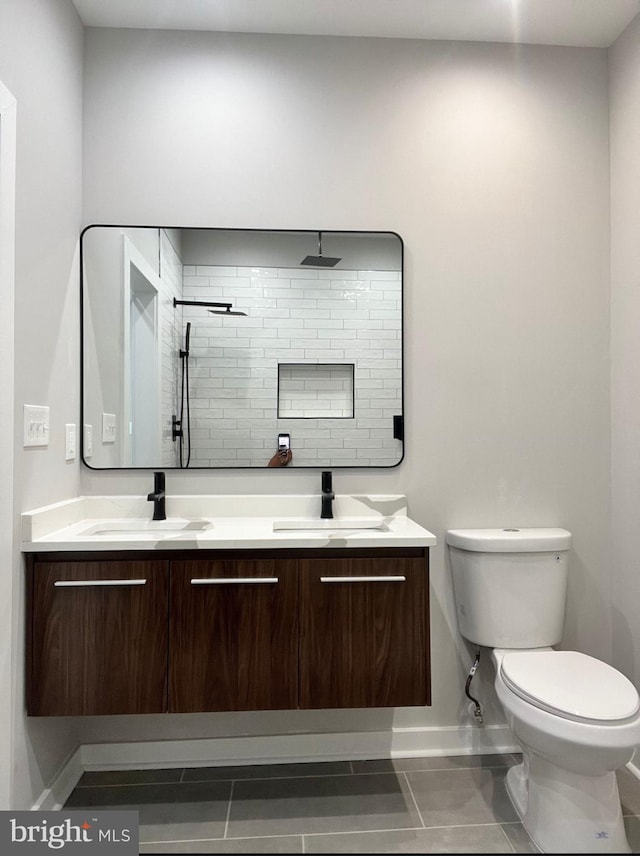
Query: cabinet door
[233, 635]
[363, 632]
[98, 638]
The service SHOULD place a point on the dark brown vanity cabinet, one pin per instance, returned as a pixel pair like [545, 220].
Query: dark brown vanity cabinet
[363, 632]
[97, 637]
[233, 635]
[179, 631]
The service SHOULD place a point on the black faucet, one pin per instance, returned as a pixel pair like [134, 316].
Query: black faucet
[157, 497]
[327, 496]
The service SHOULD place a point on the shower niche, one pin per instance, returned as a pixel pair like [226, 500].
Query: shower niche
[202, 345]
[316, 391]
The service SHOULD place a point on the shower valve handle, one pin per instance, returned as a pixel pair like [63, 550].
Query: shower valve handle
[176, 428]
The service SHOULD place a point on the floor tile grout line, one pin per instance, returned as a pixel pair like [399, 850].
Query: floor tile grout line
[226, 822]
[339, 832]
[508, 840]
[401, 829]
[183, 781]
[134, 784]
[415, 802]
[237, 838]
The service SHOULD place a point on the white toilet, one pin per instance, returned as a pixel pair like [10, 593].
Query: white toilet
[576, 718]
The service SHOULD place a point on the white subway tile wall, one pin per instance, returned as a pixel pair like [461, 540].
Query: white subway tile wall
[293, 316]
[172, 335]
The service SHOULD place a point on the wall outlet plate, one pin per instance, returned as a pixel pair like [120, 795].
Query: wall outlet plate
[88, 441]
[70, 442]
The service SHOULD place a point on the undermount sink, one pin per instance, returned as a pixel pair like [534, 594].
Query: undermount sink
[142, 528]
[331, 524]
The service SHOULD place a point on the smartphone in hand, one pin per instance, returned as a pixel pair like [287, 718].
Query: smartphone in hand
[284, 443]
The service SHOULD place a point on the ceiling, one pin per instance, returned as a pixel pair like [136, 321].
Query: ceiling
[589, 23]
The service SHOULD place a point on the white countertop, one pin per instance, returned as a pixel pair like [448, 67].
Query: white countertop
[99, 523]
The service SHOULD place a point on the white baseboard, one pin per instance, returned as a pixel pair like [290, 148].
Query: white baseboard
[68, 776]
[633, 767]
[298, 748]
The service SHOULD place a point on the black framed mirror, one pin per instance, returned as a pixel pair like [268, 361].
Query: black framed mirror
[200, 347]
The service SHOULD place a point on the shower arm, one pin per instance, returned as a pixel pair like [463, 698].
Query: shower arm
[177, 302]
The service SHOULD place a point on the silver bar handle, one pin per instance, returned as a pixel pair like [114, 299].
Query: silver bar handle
[373, 579]
[232, 581]
[91, 583]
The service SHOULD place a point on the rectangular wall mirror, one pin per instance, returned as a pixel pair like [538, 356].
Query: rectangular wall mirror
[201, 346]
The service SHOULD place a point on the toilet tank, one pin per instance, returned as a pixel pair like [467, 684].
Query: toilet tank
[510, 585]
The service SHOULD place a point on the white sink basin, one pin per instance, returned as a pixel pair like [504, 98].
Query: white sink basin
[332, 524]
[148, 529]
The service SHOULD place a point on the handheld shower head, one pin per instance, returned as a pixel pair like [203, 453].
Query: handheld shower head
[187, 336]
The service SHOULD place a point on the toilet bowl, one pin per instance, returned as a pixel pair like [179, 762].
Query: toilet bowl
[576, 718]
[578, 721]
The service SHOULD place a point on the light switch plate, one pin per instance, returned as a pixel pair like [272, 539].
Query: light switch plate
[70, 442]
[108, 427]
[36, 425]
[88, 441]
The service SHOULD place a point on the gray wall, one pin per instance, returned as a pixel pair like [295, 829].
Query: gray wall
[274, 249]
[492, 162]
[41, 52]
[625, 350]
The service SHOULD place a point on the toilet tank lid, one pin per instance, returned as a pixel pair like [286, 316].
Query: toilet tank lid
[509, 540]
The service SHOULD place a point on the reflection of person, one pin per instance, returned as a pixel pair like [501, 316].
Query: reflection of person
[281, 458]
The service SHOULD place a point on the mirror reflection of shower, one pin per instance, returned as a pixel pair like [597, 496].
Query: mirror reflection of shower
[182, 430]
[332, 332]
[141, 358]
[181, 427]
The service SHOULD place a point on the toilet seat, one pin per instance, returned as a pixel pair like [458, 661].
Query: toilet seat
[570, 685]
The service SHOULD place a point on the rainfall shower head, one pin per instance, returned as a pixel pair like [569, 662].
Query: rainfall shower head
[224, 308]
[227, 311]
[320, 260]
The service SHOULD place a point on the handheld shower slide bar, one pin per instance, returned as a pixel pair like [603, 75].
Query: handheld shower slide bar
[180, 429]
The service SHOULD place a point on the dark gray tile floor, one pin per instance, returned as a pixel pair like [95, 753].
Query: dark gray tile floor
[455, 804]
